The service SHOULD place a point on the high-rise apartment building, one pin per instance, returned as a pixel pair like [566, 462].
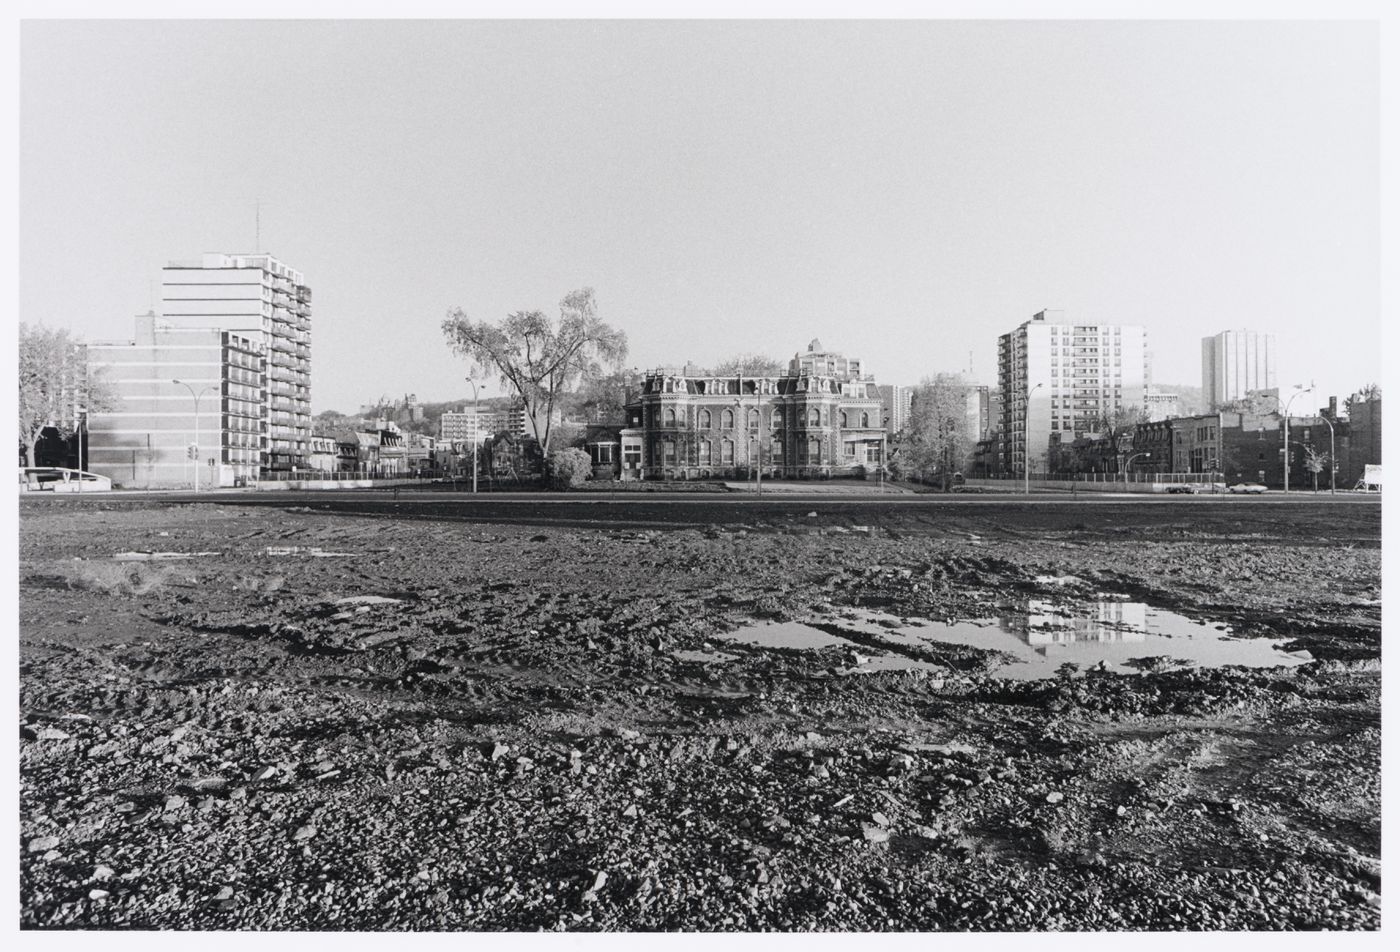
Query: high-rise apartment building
[468, 425]
[895, 402]
[1236, 363]
[236, 334]
[255, 294]
[1059, 380]
[190, 407]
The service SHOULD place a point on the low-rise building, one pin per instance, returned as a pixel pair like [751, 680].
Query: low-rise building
[822, 418]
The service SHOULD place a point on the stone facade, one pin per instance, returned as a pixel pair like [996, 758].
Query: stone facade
[821, 419]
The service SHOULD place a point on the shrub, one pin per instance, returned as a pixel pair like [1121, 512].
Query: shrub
[569, 468]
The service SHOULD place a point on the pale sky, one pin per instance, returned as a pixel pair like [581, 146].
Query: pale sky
[904, 191]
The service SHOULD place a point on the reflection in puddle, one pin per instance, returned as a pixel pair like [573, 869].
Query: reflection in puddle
[784, 634]
[1038, 637]
[704, 657]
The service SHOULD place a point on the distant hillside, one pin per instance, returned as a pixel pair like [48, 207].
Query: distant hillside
[1191, 400]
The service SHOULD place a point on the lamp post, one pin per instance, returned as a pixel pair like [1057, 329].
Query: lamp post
[476, 429]
[202, 392]
[1331, 456]
[739, 414]
[81, 418]
[1026, 438]
[1286, 407]
[1128, 464]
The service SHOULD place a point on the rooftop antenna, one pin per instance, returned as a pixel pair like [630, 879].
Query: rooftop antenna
[257, 225]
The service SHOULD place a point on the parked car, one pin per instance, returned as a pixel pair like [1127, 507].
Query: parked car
[55, 479]
[1248, 488]
[1186, 488]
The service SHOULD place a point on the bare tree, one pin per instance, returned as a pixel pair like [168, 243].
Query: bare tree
[1116, 426]
[749, 365]
[1315, 461]
[540, 358]
[55, 384]
[941, 431]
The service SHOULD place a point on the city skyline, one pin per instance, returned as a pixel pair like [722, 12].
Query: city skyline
[906, 192]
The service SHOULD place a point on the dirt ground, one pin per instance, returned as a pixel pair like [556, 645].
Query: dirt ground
[357, 712]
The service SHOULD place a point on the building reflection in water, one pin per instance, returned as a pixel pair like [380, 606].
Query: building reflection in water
[1041, 624]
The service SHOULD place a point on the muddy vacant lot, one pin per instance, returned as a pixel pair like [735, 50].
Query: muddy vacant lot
[303, 712]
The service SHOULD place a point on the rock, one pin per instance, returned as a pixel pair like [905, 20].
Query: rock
[223, 894]
[880, 818]
[98, 894]
[875, 834]
[304, 832]
[499, 751]
[52, 733]
[41, 844]
[631, 811]
[174, 802]
[103, 873]
[265, 773]
[1055, 797]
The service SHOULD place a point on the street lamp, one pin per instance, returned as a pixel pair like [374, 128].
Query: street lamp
[1128, 465]
[202, 392]
[1332, 453]
[757, 438]
[79, 423]
[1286, 407]
[476, 430]
[1026, 437]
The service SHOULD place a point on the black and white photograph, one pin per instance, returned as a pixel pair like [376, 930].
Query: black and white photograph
[716, 470]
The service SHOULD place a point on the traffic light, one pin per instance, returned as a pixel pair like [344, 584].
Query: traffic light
[193, 451]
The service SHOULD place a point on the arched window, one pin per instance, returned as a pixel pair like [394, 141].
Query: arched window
[814, 451]
[726, 420]
[670, 417]
[814, 417]
[727, 452]
[865, 420]
[705, 451]
[702, 420]
[776, 423]
[844, 424]
[752, 420]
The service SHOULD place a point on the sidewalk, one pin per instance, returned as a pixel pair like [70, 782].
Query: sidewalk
[823, 487]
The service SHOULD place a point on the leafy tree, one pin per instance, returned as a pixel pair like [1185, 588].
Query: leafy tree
[601, 399]
[941, 432]
[330, 422]
[1372, 391]
[569, 467]
[54, 383]
[538, 357]
[749, 365]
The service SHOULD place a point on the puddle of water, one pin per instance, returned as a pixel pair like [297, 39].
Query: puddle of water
[1039, 636]
[701, 656]
[783, 634]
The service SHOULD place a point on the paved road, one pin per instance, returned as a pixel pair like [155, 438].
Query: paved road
[1301, 519]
